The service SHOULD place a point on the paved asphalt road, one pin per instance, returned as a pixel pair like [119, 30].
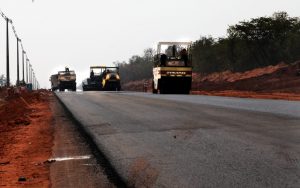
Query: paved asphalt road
[193, 141]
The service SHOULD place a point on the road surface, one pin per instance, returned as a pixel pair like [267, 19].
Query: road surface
[193, 141]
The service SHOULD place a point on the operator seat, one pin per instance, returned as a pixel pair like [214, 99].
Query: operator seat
[163, 59]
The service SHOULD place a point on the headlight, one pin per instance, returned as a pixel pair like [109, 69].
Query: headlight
[107, 77]
[118, 77]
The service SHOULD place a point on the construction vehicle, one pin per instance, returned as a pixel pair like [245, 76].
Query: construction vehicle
[172, 72]
[102, 78]
[54, 82]
[63, 80]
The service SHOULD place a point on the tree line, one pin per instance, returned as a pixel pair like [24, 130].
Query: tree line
[137, 67]
[249, 44]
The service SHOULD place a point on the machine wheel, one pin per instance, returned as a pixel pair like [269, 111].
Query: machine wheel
[186, 92]
[154, 91]
[163, 89]
[74, 87]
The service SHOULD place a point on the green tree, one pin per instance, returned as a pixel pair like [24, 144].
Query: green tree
[137, 67]
[250, 44]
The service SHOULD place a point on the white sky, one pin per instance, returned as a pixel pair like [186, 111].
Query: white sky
[80, 33]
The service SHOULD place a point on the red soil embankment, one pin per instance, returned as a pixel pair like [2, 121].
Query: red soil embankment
[273, 82]
[281, 81]
[26, 138]
[137, 85]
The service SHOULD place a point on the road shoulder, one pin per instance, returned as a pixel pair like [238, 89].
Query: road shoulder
[74, 164]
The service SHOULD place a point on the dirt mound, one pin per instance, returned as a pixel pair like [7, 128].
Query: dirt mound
[26, 137]
[279, 78]
[139, 85]
[251, 94]
[228, 76]
[281, 81]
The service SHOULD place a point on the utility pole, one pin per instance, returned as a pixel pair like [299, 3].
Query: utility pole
[30, 74]
[23, 80]
[33, 81]
[18, 71]
[7, 54]
[27, 69]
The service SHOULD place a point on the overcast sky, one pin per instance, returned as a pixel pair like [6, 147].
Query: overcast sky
[80, 33]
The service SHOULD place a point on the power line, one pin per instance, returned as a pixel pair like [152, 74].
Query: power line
[2, 14]
[19, 42]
